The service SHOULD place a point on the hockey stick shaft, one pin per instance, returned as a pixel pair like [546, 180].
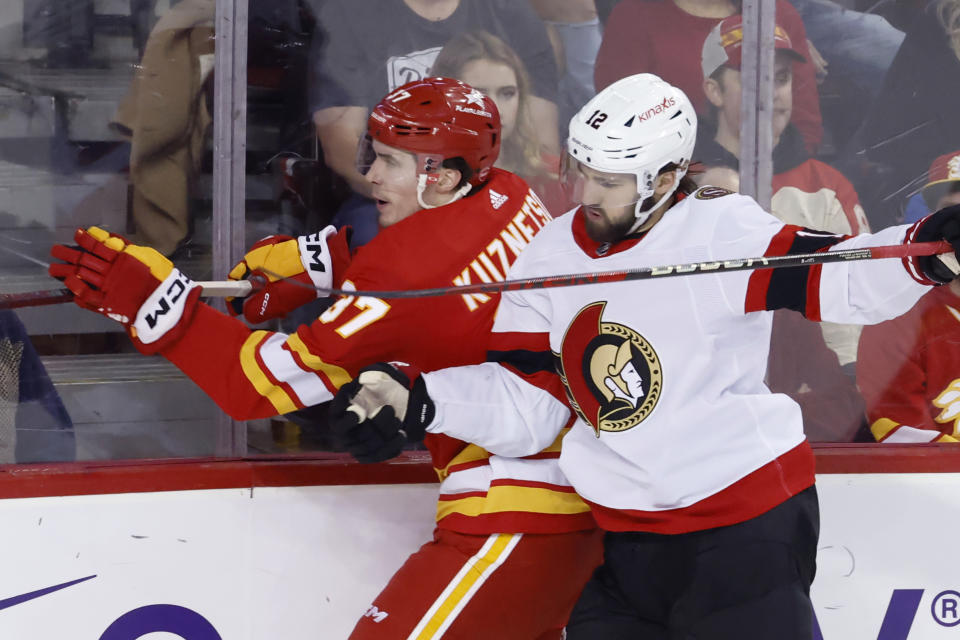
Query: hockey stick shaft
[210, 289]
[34, 298]
[647, 273]
[240, 288]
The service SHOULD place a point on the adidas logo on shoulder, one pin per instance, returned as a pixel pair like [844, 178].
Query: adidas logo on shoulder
[497, 200]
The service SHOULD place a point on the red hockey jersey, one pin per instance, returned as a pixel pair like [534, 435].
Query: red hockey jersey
[908, 370]
[253, 374]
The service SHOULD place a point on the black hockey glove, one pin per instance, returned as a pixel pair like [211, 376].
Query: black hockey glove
[942, 225]
[384, 407]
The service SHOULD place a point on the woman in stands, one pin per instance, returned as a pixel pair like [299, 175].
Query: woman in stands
[486, 62]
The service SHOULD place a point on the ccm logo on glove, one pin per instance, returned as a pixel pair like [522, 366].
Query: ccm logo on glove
[314, 248]
[292, 270]
[163, 309]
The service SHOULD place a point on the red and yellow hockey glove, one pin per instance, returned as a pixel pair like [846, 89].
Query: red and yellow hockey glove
[292, 268]
[136, 286]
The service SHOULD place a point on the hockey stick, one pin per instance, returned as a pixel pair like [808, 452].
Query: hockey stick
[209, 289]
[240, 288]
[646, 273]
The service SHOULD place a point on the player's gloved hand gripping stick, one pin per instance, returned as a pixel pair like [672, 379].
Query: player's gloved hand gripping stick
[385, 406]
[293, 271]
[940, 267]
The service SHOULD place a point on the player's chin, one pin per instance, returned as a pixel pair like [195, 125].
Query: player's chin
[600, 233]
[601, 229]
[386, 214]
[597, 227]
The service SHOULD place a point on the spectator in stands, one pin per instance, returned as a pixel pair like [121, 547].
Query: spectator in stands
[166, 119]
[860, 45]
[487, 63]
[943, 182]
[578, 32]
[34, 425]
[942, 188]
[664, 37]
[857, 48]
[806, 192]
[908, 370]
[914, 118]
[368, 49]
[604, 9]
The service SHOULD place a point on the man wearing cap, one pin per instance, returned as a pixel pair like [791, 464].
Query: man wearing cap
[908, 369]
[942, 188]
[806, 192]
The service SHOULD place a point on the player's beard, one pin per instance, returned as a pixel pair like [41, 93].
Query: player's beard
[605, 230]
[609, 228]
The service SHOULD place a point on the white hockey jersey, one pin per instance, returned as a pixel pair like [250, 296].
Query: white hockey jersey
[677, 431]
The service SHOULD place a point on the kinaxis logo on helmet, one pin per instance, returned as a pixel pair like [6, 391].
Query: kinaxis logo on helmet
[660, 108]
[612, 375]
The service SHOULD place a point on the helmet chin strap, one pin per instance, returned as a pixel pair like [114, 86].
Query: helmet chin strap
[422, 186]
[643, 216]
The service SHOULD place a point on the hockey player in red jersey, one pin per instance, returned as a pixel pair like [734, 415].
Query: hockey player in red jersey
[509, 530]
[699, 474]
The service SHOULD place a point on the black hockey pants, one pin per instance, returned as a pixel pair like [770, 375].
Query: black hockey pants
[748, 581]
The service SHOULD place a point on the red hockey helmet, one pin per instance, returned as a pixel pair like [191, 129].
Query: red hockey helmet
[437, 119]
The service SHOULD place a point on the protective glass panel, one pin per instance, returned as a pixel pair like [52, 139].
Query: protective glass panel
[899, 144]
[312, 89]
[106, 126]
[840, 165]
[106, 114]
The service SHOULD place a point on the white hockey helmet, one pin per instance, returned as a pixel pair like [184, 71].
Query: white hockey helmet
[637, 125]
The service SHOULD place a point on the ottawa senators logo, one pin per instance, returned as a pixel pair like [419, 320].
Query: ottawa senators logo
[709, 193]
[612, 375]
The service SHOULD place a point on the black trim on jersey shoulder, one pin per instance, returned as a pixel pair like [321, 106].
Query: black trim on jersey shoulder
[525, 361]
[788, 286]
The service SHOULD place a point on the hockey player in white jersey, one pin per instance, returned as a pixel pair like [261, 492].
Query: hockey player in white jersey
[700, 475]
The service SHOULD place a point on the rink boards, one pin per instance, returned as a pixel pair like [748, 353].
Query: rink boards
[245, 550]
